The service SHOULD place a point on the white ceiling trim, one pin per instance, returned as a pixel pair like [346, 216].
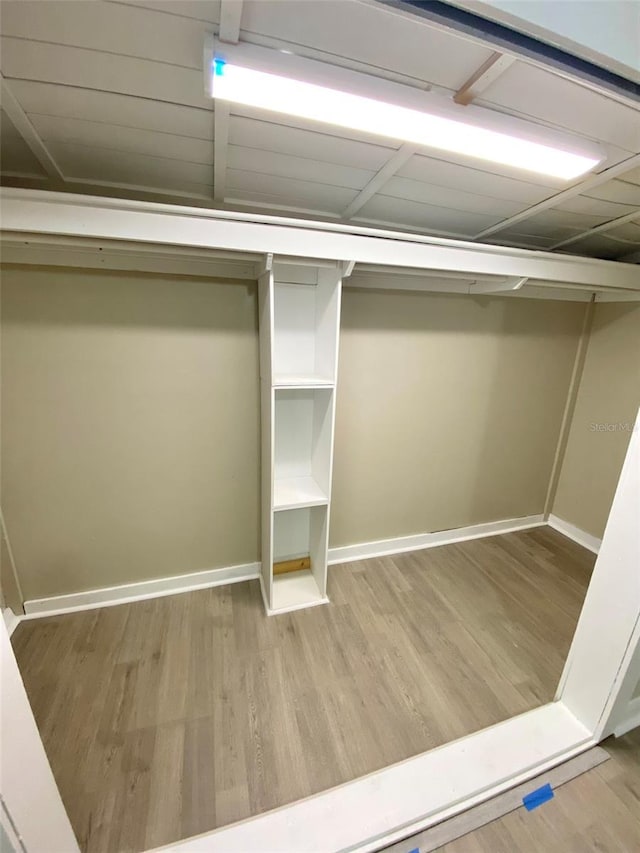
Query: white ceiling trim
[487, 41]
[480, 80]
[577, 189]
[30, 135]
[598, 229]
[578, 42]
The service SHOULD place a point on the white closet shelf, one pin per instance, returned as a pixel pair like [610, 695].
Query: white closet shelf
[309, 380]
[296, 492]
[295, 591]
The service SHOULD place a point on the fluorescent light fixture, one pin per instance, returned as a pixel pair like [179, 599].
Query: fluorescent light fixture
[462, 134]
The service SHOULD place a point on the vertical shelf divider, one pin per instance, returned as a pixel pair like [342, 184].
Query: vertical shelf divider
[299, 306]
[265, 303]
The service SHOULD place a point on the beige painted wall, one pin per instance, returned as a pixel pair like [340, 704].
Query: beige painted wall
[609, 393]
[131, 420]
[10, 594]
[449, 410]
[9, 590]
[130, 439]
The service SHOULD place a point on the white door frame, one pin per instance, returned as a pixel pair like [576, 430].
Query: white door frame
[32, 809]
[606, 645]
[384, 806]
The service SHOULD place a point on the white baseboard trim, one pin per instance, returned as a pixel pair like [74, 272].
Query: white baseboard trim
[419, 541]
[592, 543]
[111, 595]
[11, 620]
[631, 719]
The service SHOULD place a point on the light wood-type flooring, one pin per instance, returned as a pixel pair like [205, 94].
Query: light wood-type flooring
[166, 718]
[598, 811]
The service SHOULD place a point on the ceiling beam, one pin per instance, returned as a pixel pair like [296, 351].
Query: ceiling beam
[393, 164]
[480, 80]
[27, 131]
[230, 17]
[554, 200]
[598, 229]
[220, 146]
[228, 32]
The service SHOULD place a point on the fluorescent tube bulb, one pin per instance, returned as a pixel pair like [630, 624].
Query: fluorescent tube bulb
[252, 88]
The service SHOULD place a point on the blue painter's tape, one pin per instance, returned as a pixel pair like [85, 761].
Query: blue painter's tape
[218, 67]
[415, 850]
[538, 797]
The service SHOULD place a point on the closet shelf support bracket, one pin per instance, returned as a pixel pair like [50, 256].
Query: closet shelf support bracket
[347, 268]
[510, 284]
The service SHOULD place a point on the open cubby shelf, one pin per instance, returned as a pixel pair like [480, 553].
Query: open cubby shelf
[305, 332]
[303, 425]
[295, 591]
[300, 533]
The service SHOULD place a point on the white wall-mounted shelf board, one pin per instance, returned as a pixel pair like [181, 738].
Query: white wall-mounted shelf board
[89, 217]
[293, 492]
[301, 381]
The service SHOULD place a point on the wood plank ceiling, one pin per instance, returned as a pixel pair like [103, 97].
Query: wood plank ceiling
[108, 98]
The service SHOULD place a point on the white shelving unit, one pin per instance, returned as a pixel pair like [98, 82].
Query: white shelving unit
[299, 327]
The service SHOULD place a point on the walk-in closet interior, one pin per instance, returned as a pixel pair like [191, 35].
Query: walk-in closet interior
[310, 432]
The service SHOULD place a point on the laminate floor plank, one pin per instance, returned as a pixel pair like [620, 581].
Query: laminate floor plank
[169, 717]
[597, 811]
